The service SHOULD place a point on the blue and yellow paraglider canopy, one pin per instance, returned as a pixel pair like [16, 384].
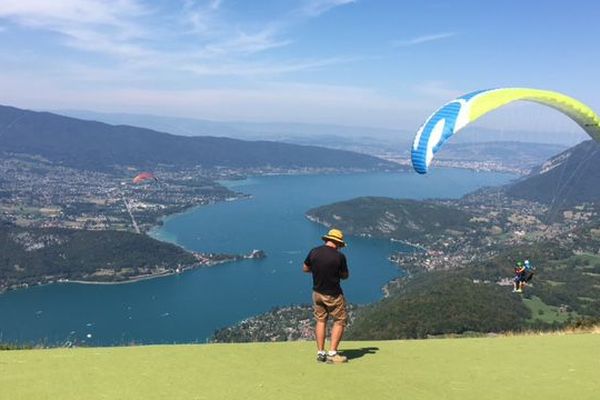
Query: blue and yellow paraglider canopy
[458, 113]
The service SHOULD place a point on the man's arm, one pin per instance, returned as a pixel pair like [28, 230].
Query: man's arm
[307, 267]
[344, 273]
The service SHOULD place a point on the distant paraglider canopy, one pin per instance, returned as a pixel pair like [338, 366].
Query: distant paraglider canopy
[458, 113]
[144, 176]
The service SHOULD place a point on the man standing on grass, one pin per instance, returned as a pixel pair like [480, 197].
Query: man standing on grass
[328, 265]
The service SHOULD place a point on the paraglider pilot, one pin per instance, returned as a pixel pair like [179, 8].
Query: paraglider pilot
[519, 277]
[524, 272]
[528, 275]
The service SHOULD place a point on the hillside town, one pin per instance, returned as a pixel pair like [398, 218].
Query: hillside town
[37, 193]
[498, 222]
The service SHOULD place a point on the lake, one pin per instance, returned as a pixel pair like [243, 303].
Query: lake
[189, 307]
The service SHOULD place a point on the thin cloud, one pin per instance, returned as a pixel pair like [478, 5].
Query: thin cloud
[201, 39]
[215, 4]
[257, 69]
[249, 43]
[314, 8]
[54, 15]
[423, 39]
[202, 18]
[90, 25]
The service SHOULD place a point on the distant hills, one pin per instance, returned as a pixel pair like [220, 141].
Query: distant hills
[565, 180]
[511, 153]
[99, 146]
[476, 143]
[291, 132]
[401, 219]
[278, 131]
[569, 178]
[139, 141]
[41, 255]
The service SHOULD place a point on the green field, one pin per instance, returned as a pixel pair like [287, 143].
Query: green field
[531, 367]
[545, 313]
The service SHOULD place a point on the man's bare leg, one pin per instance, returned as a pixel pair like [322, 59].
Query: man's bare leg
[320, 331]
[336, 336]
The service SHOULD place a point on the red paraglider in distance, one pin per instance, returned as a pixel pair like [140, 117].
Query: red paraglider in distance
[144, 176]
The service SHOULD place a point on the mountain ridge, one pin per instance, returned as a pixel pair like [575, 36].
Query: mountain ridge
[568, 178]
[99, 146]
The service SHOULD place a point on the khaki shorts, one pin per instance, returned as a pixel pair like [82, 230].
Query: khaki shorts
[325, 305]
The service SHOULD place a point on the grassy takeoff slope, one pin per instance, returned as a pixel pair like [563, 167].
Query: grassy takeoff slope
[531, 367]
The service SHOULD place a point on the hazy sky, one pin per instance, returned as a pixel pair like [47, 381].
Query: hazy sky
[378, 63]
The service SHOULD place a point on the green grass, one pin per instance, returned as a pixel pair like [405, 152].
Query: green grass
[553, 367]
[589, 257]
[546, 313]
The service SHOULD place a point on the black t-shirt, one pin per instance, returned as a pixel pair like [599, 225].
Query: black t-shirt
[326, 264]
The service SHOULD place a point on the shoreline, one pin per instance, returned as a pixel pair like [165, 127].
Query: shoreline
[160, 221]
[414, 246]
[152, 233]
[64, 281]
[124, 282]
[139, 278]
[163, 274]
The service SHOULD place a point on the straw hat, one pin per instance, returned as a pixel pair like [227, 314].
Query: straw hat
[336, 236]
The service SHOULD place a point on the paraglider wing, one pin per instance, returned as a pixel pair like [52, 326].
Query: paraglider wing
[144, 176]
[458, 113]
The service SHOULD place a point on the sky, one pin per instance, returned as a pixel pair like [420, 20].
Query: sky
[379, 63]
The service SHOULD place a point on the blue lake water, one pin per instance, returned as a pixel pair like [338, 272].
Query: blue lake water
[188, 307]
